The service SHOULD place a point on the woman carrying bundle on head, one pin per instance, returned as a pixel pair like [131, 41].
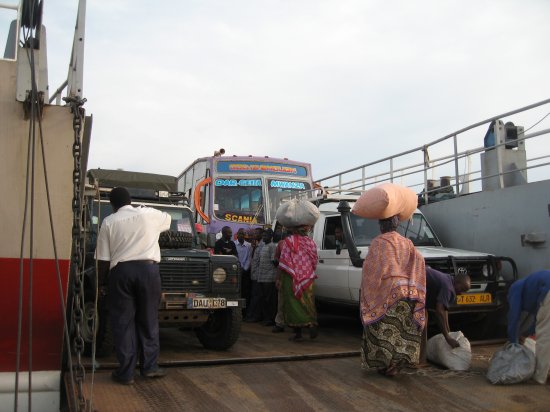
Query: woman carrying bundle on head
[393, 287]
[297, 264]
[295, 278]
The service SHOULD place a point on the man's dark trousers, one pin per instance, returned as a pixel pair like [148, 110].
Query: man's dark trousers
[134, 297]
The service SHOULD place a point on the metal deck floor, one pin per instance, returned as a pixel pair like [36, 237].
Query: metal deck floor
[194, 383]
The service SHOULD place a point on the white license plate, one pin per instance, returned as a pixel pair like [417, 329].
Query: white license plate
[206, 303]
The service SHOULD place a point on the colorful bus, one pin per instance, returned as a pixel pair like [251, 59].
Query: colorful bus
[241, 191]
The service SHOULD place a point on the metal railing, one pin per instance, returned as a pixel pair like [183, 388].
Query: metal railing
[413, 167]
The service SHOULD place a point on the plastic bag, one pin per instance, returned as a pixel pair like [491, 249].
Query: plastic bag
[297, 212]
[531, 344]
[513, 364]
[386, 200]
[457, 359]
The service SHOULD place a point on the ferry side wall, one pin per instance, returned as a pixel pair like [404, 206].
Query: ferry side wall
[47, 319]
[495, 221]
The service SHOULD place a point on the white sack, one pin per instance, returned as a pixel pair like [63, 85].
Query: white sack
[297, 212]
[457, 359]
[513, 364]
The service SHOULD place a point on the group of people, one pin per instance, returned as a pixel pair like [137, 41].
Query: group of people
[398, 289]
[278, 272]
[278, 276]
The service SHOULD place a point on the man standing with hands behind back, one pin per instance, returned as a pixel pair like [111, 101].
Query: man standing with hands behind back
[128, 251]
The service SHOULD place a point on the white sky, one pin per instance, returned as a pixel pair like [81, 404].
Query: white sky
[334, 83]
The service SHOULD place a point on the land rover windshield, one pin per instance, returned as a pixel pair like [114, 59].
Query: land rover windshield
[417, 230]
[181, 218]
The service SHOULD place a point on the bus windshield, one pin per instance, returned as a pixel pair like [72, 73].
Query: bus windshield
[239, 200]
[279, 189]
[416, 229]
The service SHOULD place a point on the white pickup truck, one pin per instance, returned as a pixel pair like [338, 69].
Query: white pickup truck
[342, 242]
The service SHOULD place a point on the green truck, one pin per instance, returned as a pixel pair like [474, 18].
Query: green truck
[199, 291]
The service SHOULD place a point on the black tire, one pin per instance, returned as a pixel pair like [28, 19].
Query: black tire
[221, 330]
[104, 336]
[175, 240]
[89, 327]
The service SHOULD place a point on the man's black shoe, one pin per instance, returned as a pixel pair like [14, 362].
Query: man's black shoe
[277, 329]
[155, 373]
[120, 380]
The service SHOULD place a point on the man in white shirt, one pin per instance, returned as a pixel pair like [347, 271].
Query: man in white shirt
[128, 251]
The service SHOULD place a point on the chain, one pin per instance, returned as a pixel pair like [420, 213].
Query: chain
[77, 258]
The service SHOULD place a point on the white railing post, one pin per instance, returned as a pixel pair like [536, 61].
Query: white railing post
[426, 165]
[456, 165]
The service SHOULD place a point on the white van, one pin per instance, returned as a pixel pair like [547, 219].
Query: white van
[340, 259]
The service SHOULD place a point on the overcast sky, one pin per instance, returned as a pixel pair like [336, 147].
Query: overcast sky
[334, 83]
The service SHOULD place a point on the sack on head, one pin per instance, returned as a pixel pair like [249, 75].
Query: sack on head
[297, 212]
[386, 200]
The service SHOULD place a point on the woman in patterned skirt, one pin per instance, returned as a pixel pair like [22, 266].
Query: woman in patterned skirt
[393, 294]
[295, 277]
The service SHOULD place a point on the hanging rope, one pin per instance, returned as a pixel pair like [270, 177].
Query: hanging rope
[33, 109]
[32, 102]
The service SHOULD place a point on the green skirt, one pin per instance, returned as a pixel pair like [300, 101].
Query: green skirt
[298, 312]
[394, 339]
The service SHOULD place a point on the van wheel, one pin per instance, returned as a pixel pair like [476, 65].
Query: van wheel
[221, 330]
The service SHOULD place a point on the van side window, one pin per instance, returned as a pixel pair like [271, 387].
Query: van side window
[333, 236]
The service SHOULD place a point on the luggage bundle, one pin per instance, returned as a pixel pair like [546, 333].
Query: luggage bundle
[386, 200]
[297, 212]
[456, 359]
[512, 364]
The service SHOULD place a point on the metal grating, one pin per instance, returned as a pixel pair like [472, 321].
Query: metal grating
[188, 276]
[473, 268]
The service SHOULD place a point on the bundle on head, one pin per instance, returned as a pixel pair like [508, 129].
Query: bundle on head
[386, 200]
[296, 213]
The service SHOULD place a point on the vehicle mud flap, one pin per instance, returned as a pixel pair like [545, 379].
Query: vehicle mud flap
[221, 330]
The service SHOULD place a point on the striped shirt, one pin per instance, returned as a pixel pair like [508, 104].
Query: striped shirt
[266, 271]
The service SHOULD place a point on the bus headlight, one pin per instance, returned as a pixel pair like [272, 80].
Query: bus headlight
[219, 275]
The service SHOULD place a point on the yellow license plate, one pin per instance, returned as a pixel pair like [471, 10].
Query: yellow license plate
[206, 303]
[474, 299]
